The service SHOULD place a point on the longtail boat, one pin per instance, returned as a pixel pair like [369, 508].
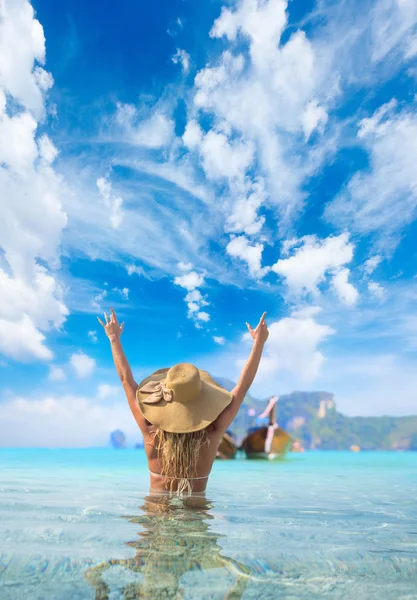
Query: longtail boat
[267, 440]
[227, 448]
[254, 443]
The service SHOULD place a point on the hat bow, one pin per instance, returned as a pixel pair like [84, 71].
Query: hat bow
[158, 391]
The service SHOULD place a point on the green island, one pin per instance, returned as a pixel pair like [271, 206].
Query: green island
[312, 419]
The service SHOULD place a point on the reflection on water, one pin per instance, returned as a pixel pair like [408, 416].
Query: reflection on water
[314, 527]
[175, 539]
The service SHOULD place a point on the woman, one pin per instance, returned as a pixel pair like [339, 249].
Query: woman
[182, 412]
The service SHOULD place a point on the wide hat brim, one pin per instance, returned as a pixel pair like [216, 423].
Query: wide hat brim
[178, 417]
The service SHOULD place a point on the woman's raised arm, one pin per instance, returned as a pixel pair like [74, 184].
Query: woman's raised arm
[114, 331]
[259, 336]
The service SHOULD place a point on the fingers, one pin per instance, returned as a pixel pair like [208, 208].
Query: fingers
[262, 322]
[100, 321]
[122, 326]
[249, 328]
[113, 315]
[107, 318]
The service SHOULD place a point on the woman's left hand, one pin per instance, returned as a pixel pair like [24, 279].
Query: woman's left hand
[111, 326]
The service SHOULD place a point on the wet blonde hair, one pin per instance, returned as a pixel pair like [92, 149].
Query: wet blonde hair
[178, 455]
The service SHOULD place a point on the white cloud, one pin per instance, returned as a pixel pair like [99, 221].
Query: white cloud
[261, 22]
[196, 297]
[18, 147]
[190, 281]
[82, 364]
[293, 347]
[22, 42]
[30, 232]
[220, 157]
[93, 336]
[314, 117]
[36, 297]
[111, 202]
[20, 340]
[345, 290]
[183, 58]
[313, 260]
[244, 214]
[383, 199]
[56, 373]
[193, 135]
[203, 316]
[67, 421]
[239, 247]
[376, 289]
[219, 340]
[47, 150]
[29, 305]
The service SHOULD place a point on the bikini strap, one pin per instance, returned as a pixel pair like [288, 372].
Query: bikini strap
[188, 478]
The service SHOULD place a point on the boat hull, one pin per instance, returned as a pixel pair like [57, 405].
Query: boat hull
[227, 448]
[254, 444]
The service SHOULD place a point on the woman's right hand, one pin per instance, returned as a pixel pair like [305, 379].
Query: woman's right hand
[260, 333]
[111, 326]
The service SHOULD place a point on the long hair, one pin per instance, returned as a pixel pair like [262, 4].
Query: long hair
[178, 455]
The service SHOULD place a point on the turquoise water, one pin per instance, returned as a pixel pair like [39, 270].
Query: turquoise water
[79, 524]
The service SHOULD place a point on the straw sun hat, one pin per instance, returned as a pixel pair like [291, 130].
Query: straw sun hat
[181, 399]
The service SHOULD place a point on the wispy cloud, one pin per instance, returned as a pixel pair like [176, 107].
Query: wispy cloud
[93, 336]
[383, 199]
[183, 58]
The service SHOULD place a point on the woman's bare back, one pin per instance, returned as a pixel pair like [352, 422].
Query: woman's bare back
[198, 482]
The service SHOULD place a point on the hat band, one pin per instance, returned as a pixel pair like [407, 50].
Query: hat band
[158, 391]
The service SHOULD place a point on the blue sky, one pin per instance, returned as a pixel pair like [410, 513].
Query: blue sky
[192, 166]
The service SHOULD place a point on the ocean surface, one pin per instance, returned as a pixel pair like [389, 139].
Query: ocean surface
[80, 524]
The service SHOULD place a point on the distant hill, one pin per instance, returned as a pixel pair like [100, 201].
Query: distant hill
[313, 419]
